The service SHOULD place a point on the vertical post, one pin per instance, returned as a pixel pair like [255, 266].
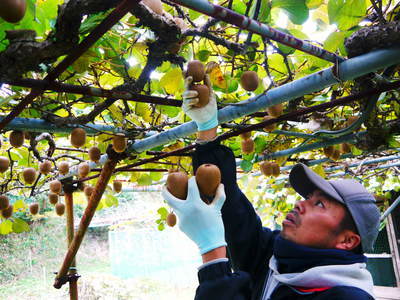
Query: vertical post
[93, 202]
[69, 205]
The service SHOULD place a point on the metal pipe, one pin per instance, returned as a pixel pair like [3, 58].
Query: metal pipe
[254, 26]
[390, 209]
[349, 69]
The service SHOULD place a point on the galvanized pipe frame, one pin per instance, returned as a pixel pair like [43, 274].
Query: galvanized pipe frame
[234, 18]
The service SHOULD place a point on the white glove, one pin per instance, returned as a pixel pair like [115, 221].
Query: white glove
[202, 223]
[205, 117]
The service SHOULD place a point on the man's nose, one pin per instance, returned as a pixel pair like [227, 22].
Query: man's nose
[300, 206]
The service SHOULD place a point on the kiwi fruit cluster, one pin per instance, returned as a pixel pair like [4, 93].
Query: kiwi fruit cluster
[270, 168]
[196, 69]
[249, 81]
[12, 11]
[6, 209]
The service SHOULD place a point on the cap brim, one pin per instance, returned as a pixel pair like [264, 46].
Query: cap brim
[305, 181]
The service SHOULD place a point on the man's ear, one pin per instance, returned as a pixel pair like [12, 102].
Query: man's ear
[347, 240]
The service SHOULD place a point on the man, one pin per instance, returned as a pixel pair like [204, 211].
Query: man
[318, 253]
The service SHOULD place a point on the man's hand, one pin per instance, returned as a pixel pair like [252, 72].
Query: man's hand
[202, 223]
[205, 117]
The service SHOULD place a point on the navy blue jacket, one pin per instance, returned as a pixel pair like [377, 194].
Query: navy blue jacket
[250, 245]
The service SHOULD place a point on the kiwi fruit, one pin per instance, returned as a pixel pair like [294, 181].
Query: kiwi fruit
[203, 94]
[94, 154]
[275, 110]
[195, 68]
[270, 127]
[78, 137]
[55, 186]
[34, 208]
[4, 202]
[16, 138]
[177, 184]
[266, 168]
[88, 190]
[154, 5]
[249, 81]
[29, 175]
[351, 120]
[171, 219]
[247, 146]
[60, 209]
[12, 11]
[4, 164]
[335, 154]
[63, 168]
[83, 169]
[117, 186]
[276, 170]
[345, 148]
[328, 151]
[53, 198]
[7, 212]
[245, 135]
[119, 142]
[208, 178]
[45, 167]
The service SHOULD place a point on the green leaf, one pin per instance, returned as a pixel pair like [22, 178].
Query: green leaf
[346, 13]
[172, 81]
[163, 211]
[144, 179]
[312, 4]
[334, 41]
[296, 10]
[259, 144]
[203, 55]
[6, 227]
[20, 225]
[246, 165]
[264, 15]
[394, 141]
[156, 176]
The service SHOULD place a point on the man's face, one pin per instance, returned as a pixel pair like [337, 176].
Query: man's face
[314, 222]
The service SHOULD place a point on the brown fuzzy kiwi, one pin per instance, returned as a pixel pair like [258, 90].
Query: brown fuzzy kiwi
[247, 146]
[45, 167]
[195, 68]
[119, 142]
[177, 184]
[249, 81]
[12, 11]
[276, 170]
[328, 151]
[245, 135]
[203, 94]
[60, 209]
[88, 191]
[4, 164]
[351, 120]
[78, 137]
[270, 127]
[53, 198]
[83, 169]
[208, 178]
[117, 186]
[4, 202]
[266, 168]
[275, 110]
[34, 208]
[94, 154]
[55, 186]
[29, 175]
[7, 212]
[171, 219]
[63, 168]
[335, 154]
[16, 138]
[345, 148]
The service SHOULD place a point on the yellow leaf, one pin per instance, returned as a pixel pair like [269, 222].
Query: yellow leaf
[172, 82]
[116, 113]
[216, 76]
[319, 169]
[19, 204]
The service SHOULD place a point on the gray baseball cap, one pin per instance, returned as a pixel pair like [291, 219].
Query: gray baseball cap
[359, 202]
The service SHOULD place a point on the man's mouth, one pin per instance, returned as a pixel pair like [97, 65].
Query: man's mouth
[292, 218]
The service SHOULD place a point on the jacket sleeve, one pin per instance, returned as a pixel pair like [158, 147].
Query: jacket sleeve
[217, 282]
[249, 244]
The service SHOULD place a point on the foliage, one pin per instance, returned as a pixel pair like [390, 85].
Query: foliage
[136, 56]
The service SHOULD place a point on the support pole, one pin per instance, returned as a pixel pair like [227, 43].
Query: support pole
[69, 205]
[254, 26]
[93, 202]
[121, 10]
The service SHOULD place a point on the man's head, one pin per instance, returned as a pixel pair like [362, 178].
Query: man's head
[338, 214]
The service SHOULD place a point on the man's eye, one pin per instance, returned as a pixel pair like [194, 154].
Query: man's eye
[319, 203]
